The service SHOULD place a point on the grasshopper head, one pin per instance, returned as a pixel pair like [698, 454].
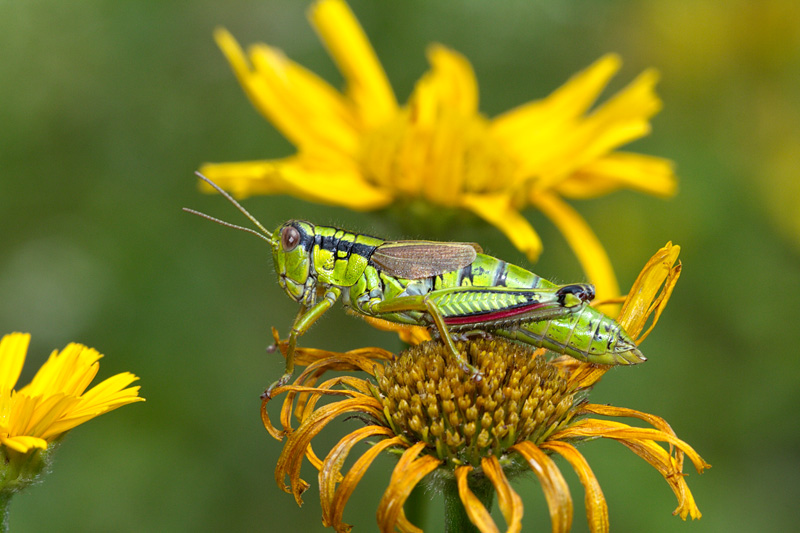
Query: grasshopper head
[292, 244]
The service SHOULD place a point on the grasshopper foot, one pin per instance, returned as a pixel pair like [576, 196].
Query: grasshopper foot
[474, 333]
[472, 371]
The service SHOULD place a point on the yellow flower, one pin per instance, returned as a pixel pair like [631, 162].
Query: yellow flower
[362, 150]
[475, 435]
[56, 400]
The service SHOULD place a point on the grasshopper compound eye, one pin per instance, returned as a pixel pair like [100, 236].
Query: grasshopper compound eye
[290, 238]
[574, 295]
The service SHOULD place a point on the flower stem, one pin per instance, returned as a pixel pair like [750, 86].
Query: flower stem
[416, 505]
[455, 515]
[5, 501]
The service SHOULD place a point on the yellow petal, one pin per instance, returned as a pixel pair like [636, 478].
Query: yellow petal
[451, 81]
[534, 122]
[263, 94]
[69, 371]
[367, 84]
[584, 244]
[508, 500]
[334, 186]
[623, 118]
[405, 476]
[13, 348]
[352, 478]
[555, 487]
[498, 211]
[476, 511]
[22, 412]
[23, 444]
[48, 410]
[596, 506]
[644, 173]
[311, 110]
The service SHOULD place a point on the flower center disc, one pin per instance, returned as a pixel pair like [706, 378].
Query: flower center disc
[427, 397]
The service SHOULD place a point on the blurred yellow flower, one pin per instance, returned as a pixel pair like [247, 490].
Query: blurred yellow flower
[475, 435]
[360, 149]
[56, 400]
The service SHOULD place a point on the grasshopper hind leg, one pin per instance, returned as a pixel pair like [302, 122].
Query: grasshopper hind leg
[447, 339]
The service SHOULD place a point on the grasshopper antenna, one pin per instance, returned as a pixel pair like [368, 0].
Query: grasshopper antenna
[264, 235]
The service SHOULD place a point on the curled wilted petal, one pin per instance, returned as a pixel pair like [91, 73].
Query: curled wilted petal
[647, 297]
[555, 487]
[478, 514]
[475, 434]
[349, 482]
[596, 506]
[509, 501]
[408, 472]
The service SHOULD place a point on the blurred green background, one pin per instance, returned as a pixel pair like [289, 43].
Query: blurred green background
[107, 107]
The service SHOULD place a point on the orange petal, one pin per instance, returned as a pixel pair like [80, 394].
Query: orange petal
[349, 47]
[580, 375]
[644, 298]
[291, 458]
[592, 428]
[555, 487]
[405, 476]
[596, 506]
[667, 466]
[610, 410]
[478, 514]
[287, 406]
[584, 244]
[330, 473]
[507, 499]
[404, 526]
[352, 478]
[409, 334]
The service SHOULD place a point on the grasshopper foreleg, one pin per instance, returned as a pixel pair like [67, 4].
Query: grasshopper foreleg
[304, 320]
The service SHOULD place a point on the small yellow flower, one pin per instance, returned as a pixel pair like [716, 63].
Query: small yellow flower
[56, 400]
[475, 435]
[362, 150]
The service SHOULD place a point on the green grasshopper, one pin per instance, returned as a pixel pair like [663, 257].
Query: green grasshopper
[450, 287]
